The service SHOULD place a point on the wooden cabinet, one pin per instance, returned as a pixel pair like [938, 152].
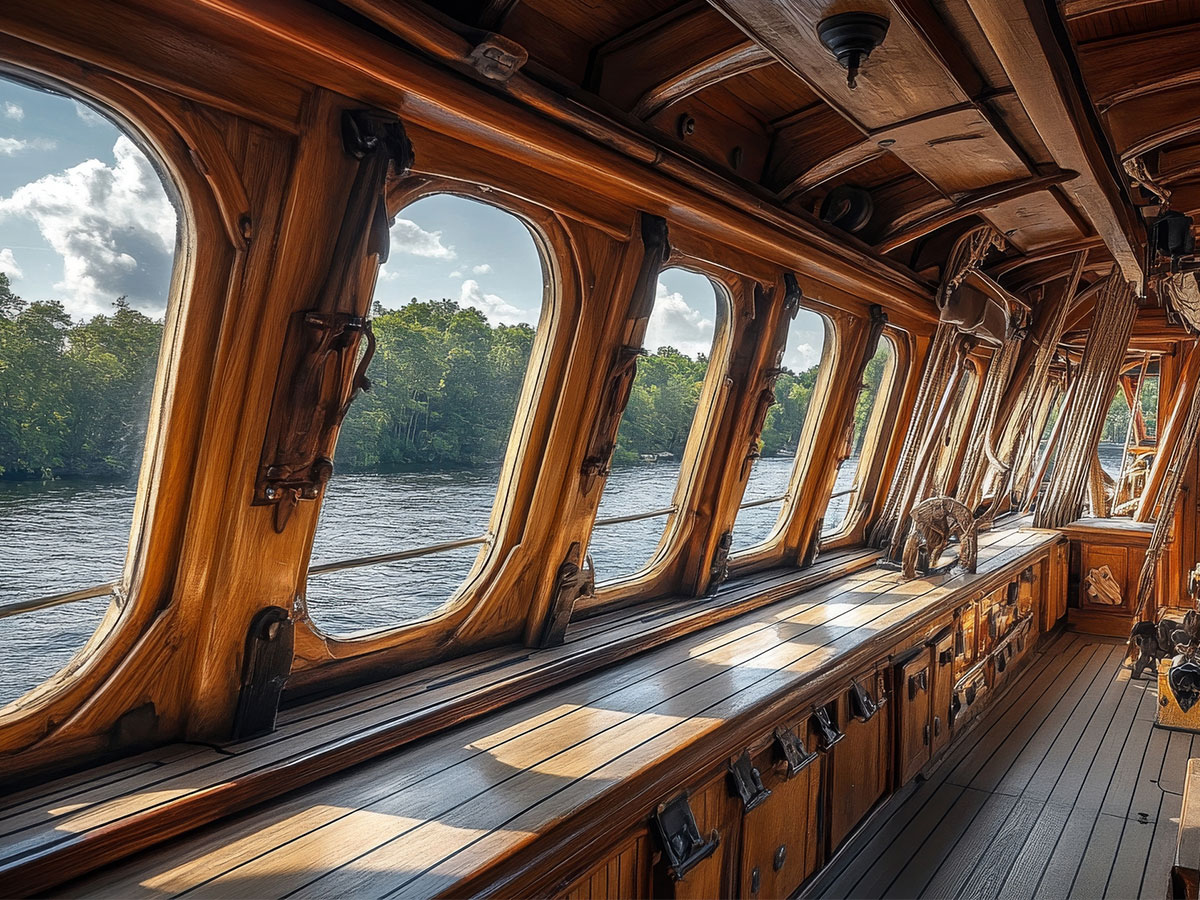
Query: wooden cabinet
[859, 763]
[965, 649]
[1106, 561]
[780, 837]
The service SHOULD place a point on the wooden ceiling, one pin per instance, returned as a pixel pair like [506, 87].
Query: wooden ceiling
[1014, 112]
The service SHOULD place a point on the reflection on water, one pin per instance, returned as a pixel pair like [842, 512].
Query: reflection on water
[63, 536]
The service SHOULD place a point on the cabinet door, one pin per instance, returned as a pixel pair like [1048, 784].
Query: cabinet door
[859, 763]
[780, 837]
[710, 805]
[964, 647]
[942, 692]
[913, 682]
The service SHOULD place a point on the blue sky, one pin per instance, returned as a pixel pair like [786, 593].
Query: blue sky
[84, 219]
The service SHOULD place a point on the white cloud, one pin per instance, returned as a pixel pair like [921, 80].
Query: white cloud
[8, 265]
[457, 273]
[89, 116]
[13, 146]
[496, 308]
[803, 356]
[676, 324]
[386, 274]
[13, 111]
[409, 237]
[482, 270]
[113, 226]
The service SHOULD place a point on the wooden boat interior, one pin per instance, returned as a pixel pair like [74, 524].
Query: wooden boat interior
[874, 574]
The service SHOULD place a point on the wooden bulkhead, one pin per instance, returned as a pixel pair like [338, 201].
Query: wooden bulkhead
[988, 196]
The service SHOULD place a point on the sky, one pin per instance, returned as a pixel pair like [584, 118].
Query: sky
[84, 219]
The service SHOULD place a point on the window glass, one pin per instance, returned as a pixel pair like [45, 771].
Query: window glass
[868, 413]
[1128, 440]
[804, 355]
[662, 410]
[418, 458]
[87, 245]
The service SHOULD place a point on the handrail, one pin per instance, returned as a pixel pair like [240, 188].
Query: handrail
[100, 590]
[412, 553]
[88, 593]
[634, 517]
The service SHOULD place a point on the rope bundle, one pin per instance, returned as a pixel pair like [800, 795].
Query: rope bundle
[1084, 415]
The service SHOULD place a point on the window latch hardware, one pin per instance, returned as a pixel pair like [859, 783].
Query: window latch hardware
[792, 749]
[682, 844]
[828, 734]
[573, 582]
[747, 782]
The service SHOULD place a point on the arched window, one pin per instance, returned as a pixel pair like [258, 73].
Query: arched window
[789, 430]
[878, 381]
[456, 312]
[643, 490]
[87, 247]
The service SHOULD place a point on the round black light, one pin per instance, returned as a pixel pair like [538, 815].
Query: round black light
[851, 37]
[848, 207]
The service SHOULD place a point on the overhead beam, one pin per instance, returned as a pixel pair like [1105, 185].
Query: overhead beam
[972, 205]
[1073, 9]
[746, 57]
[1028, 48]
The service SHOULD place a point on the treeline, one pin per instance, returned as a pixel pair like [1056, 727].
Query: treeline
[74, 397]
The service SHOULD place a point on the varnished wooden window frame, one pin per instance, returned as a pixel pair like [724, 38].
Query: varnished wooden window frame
[697, 448]
[878, 437]
[320, 654]
[832, 354]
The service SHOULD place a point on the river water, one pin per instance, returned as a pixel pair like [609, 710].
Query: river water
[66, 535]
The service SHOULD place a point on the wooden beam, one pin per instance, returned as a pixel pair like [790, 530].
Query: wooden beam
[1025, 42]
[1009, 265]
[745, 57]
[975, 203]
[1073, 9]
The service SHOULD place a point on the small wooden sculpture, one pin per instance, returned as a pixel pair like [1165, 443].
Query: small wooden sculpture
[934, 522]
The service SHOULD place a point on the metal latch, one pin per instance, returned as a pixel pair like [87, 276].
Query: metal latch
[747, 782]
[862, 706]
[680, 836]
[792, 749]
[827, 733]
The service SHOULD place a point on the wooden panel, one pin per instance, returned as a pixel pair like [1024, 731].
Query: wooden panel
[623, 875]
[943, 688]
[966, 622]
[780, 838]
[1094, 560]
[859, 763]
[914, 683]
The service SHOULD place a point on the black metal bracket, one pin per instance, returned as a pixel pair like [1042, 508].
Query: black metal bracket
[828, 733]
[862, 705]
[719, 570]
[747, 782]
[270, 644]
[682, 844]
[791, 749]
[576, 579]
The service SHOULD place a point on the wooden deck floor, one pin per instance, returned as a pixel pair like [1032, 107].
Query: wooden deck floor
[1065, 790]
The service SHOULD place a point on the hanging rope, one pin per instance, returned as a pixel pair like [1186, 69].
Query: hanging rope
[1108, 337]
[1181, 460]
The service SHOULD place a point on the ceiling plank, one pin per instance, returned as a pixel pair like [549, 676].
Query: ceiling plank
[1022, 36]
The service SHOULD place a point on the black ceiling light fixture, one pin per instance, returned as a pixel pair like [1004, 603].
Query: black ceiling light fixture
[851, 36]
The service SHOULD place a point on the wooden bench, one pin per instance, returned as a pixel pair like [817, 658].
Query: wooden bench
[456, 810]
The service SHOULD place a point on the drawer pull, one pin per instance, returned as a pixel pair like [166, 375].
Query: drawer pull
[862, 706]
